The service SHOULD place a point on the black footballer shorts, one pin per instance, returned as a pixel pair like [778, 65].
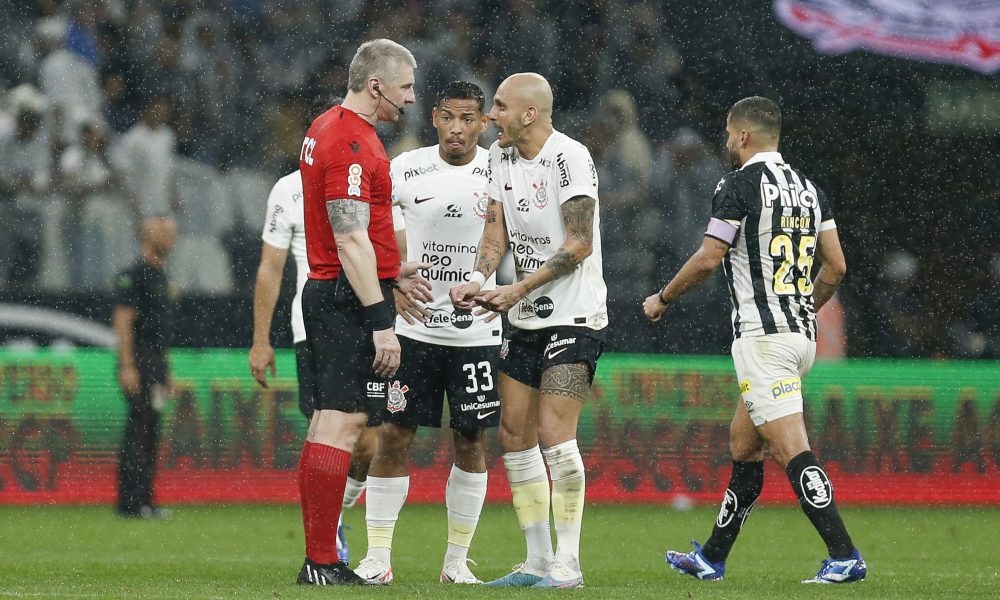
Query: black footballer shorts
[341, 348]
[526, 354]
[429, 372]
[307, 384]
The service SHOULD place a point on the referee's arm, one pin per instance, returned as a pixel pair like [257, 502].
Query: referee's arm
[349, 219]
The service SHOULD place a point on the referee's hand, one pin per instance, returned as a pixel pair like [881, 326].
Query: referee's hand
[387, 352]
[654, 307]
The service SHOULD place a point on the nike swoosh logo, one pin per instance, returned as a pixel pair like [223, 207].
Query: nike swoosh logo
[482, 415]
[552, 355]
[507, 187]
[419, 200]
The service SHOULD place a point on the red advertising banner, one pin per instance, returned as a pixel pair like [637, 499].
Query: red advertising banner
[655, 431]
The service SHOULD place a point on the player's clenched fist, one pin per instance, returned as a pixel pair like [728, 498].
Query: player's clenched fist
[653, 306]
[463, 296]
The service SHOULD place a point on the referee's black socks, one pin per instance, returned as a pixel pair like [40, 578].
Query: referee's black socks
[815, 493]
[745, 485]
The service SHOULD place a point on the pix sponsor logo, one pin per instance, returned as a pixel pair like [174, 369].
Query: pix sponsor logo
[786, 387]
[416, 171]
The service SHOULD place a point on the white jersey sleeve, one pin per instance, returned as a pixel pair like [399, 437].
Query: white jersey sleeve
[284, 228]
[576, 172]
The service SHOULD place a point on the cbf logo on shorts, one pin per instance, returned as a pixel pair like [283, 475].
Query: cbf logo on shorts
[816, 487]
[397, 397]
[785, 388]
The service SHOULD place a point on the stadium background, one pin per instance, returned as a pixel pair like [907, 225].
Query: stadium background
[906, 149]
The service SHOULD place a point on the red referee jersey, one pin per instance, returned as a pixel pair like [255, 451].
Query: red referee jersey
[343, 158]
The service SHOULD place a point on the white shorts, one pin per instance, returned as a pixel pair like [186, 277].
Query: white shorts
[770, 369]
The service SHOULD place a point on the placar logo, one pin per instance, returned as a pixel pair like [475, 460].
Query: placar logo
[816, 487]
[785, 388]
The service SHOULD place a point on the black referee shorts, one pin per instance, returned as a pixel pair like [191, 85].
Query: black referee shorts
[341, 347]
[526, 354]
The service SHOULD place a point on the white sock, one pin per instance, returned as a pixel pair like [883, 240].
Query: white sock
[464, 497]
[386, 496]
[529, 485]
[352, 492]
[568, 485]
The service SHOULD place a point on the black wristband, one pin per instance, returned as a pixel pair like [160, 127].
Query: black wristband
[378, 316]
[660, 298]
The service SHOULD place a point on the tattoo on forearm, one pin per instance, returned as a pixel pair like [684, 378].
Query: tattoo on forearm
[578, 215]
[571, 381]
[492, 211]
[348, 216]
[488, 258]
[562, 263]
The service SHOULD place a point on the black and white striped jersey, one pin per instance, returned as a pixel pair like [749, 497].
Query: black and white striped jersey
[771, 215]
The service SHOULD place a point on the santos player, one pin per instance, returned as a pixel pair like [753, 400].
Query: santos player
[543, 204]
[769, 222]
[439, 193]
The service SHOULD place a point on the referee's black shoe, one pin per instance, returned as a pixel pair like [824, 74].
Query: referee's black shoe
[313, 573]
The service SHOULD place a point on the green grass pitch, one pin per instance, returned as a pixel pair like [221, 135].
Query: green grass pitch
[256, 551]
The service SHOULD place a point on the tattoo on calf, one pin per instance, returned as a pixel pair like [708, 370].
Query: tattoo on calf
[348, 216]
[571, 380]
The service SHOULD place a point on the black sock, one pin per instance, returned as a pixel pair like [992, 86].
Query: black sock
[815, 494]
[744, 488]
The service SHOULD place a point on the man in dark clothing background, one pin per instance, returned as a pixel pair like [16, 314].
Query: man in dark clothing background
[143, 322]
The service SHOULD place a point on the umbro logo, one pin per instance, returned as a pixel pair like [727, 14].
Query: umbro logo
[420, 200]
[355, 147]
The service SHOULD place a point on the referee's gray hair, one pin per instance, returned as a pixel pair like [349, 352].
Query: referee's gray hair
[377, 58]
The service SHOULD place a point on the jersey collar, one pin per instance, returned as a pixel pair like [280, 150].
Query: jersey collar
[764, 157]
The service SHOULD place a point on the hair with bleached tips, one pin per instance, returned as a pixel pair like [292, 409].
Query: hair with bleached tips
[760, 113]
[380, 58]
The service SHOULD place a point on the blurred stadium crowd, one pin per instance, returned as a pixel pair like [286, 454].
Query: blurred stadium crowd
[116, 109]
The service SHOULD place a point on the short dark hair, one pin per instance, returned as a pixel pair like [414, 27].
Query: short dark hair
[759, 111]
[462, 90]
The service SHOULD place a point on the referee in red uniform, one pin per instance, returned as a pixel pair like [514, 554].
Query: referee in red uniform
[347, 302]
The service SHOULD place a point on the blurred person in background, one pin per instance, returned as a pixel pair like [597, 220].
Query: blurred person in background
[97, 228]
[901, 323]
[25, 179]
[977, 333]
[145, 158]
[143, 321]
[69, 81]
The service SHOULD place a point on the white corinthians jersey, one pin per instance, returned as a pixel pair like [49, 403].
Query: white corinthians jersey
[284, 229]
[772, 216]
[532, 193]
[442, 208]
